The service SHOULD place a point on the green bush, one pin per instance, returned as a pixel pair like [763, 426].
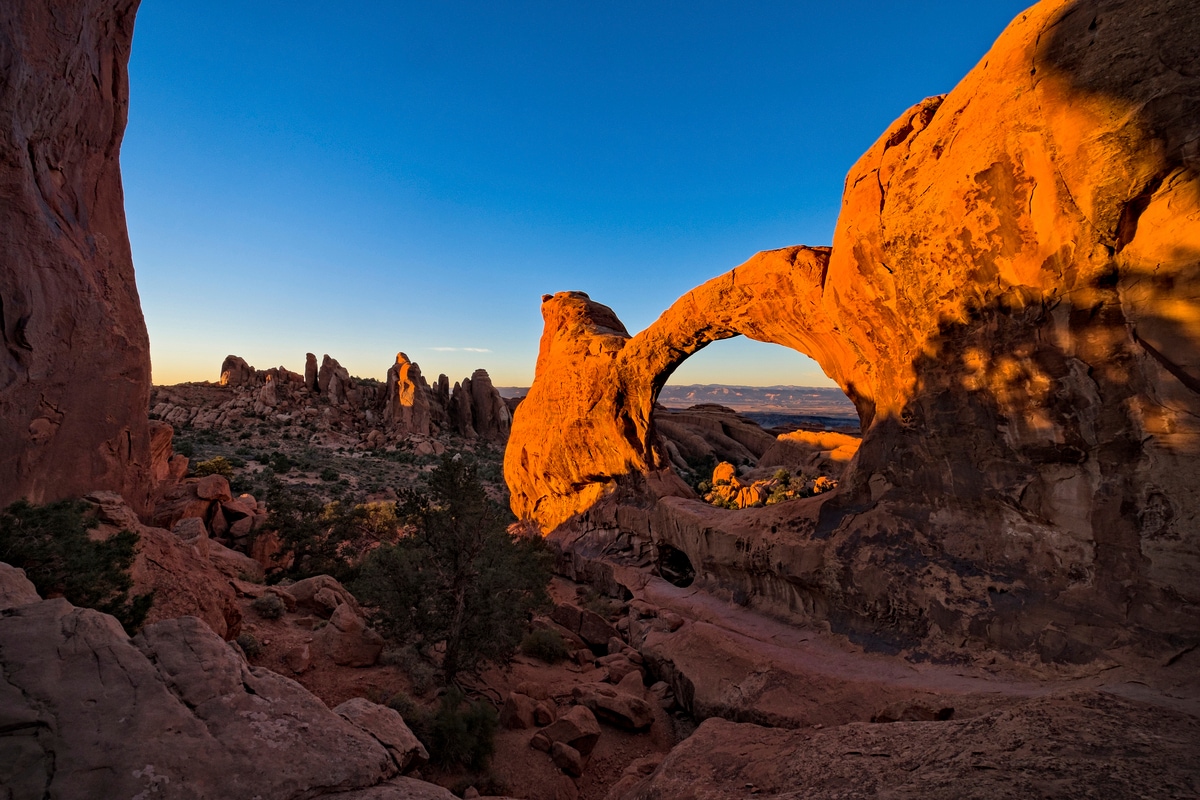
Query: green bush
[546, 645]
[406, 707]
[52, 545]
[459, 733]
[280, 462]
[215, 466]
[249, 645]
[330, 474]
[269, 606]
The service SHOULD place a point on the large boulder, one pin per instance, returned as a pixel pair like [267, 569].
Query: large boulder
[16, 590]
[74, 356]
[388, 728]
[174, 713]
[1011, 302]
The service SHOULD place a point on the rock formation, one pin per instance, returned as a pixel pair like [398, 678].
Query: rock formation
[490, 415]
[357, 412]
[408, 396]
[74, 357]
[310, 372]
[933, 759]
[174, 712]
[1011, 303]
[236, 372]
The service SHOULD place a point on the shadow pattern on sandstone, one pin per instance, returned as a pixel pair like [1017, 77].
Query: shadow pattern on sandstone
[1011, 302]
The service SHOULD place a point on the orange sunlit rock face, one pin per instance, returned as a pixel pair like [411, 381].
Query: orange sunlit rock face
[1012, 301]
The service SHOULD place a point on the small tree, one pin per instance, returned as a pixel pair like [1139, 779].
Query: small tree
[457, 577]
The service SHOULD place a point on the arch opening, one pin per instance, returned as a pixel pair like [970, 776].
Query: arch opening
[674, 566]
[748, 424]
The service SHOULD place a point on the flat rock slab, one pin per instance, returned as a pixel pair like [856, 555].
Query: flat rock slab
[1083, 744]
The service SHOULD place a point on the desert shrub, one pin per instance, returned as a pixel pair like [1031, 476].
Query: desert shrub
[783, 476]
[546, 645]
[215, 466]
[279, 461]
[421, 673]
[330, 474]
[327, 538]
[184, 447]
[459, 733]
[600, 604]
[458, 578]
[405, 706]
[269, 606]
[249, 645]
[51, 543]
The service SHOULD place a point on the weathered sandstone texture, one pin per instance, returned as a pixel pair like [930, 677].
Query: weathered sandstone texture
[1083, 744]
[174, 712]
[74, 357]
[1012, 301]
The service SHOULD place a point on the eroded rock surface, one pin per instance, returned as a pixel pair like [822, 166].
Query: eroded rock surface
[1081, 744]
[1012, 303]
[175, 712]
[74, 356]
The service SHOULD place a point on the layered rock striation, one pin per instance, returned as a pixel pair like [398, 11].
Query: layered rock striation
[1012, 302]
[74, 356]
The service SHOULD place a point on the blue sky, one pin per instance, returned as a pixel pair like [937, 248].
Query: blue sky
[359, 179]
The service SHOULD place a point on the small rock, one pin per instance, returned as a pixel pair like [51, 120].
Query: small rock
[298, 659]
[577, 727]
[518, 712]
[567, 758]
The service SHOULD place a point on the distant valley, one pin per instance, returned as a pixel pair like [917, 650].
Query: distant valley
[770, 406]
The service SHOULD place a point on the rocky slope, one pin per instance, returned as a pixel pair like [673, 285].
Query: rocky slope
[1011, 303]
[86, 711]
[74, 356]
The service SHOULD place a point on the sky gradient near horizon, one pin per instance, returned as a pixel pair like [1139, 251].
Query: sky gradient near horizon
[408, 176]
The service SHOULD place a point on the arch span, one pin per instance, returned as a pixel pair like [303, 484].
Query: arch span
[605, 382]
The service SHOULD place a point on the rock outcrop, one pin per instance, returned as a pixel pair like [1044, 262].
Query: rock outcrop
[1045, 745]
[175, 712]
[408, 398]
[340, 408]
[1011, 301]
[74, 356]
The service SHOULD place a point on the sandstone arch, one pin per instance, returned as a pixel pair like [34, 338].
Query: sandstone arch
[1012, 301]
[606, 382]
